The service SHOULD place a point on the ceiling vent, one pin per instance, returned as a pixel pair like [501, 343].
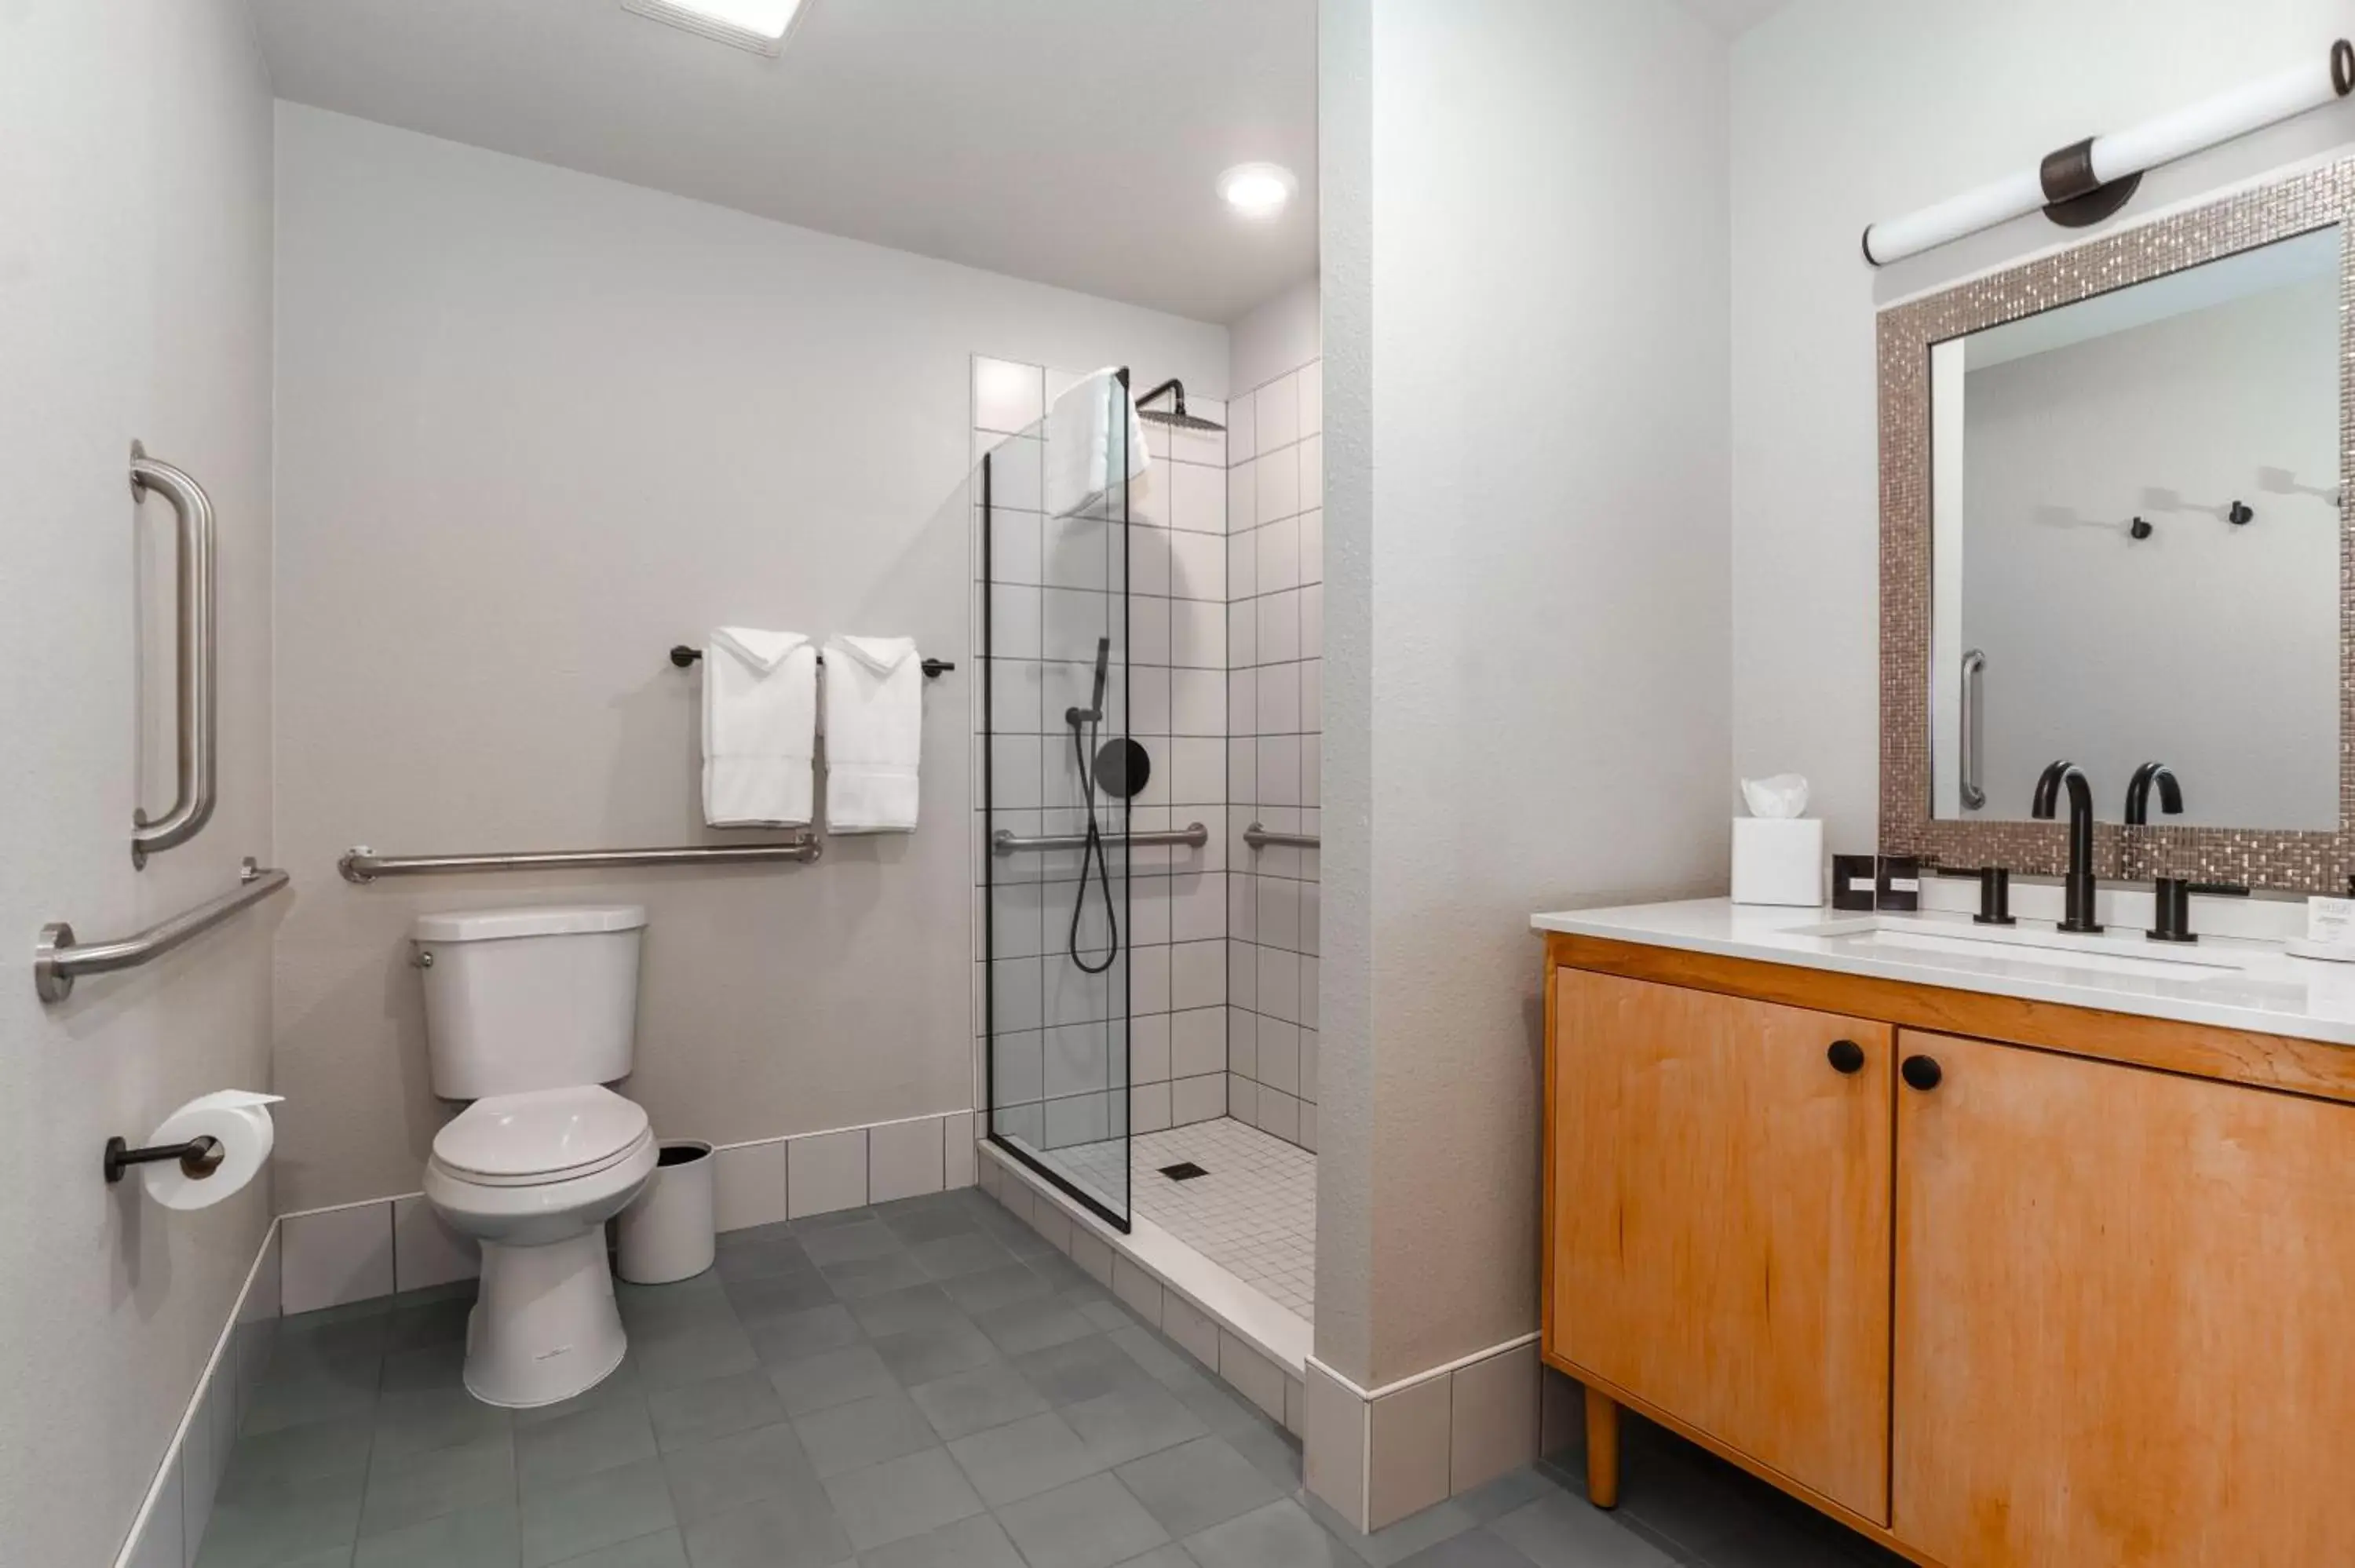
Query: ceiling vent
[761, 26]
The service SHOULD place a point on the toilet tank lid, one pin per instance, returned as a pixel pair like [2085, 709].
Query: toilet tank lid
[489, 925]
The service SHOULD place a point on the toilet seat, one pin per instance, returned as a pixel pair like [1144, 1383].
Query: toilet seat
[541, 1136]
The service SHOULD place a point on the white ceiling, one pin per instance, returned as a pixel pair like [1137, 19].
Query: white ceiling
[1735, 18]
[1071, 142]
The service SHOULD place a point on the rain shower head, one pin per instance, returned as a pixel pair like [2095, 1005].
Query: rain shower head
[1176, 415]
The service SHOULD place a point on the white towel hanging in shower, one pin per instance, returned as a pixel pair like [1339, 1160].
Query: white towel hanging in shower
[1094, 440]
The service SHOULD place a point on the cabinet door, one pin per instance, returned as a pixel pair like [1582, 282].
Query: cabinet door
[1719, 1203]
[2122, 1317]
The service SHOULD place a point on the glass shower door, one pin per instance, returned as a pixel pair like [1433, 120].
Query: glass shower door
[1059, 767]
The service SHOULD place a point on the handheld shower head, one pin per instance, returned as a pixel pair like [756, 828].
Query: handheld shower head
[1094, 711]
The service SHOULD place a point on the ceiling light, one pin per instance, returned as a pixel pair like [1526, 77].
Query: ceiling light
[760, 26]
[1257, 190]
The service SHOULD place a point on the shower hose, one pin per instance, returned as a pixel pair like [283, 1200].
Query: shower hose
[1092, 850]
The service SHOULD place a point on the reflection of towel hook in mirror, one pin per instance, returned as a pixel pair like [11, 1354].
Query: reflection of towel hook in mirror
[2139, 528]
[2238, 514]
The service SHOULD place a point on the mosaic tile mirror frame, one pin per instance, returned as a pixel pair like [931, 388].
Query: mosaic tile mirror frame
[2303, 862]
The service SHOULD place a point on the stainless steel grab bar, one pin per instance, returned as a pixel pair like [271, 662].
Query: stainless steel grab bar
[1192, 836]
[192, 804]
[58, 958]
[1974, 668]
[1258, 837]
[362, 864]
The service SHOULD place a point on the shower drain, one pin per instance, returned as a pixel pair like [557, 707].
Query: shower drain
[1184, 1170]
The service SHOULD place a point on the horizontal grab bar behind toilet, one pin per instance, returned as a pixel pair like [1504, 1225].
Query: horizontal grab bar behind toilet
[1192, 836]
[362, 864]
[1258, 837]
[58, 958]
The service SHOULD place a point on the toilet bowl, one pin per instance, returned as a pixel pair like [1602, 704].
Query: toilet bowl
[534, 1177]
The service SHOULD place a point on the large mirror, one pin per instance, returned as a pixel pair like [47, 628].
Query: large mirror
[2112, 532]
[2134, 554]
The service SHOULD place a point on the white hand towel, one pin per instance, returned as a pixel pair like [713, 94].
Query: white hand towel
[760, 728]
[1091, 429]
[874, 733]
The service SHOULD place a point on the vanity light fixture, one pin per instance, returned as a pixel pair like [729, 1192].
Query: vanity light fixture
[1257, 190]
[760, 26]
[2087, 181]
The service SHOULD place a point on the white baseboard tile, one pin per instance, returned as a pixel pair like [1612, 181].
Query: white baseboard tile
[335, 1257]
[747, 1185]
[425, 1250]
[1334, 1458]
[1377, 1455]
[170, 1524]
[904, 1160]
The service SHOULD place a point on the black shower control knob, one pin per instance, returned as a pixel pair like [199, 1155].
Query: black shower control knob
[1922, 1073]
[1846, 1057]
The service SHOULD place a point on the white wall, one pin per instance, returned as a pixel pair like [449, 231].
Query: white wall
[134, 304]
[537, 427]
[1848, 110]
[1279, 335]
[1526, 601]
[2211, 648]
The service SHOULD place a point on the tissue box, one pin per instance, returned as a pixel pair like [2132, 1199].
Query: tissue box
[1778, 860]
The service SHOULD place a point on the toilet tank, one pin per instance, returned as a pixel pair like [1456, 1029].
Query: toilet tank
[529, 999]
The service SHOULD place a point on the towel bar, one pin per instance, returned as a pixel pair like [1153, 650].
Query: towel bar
[682, 656]
[362, 864]
[1193, 836]
[1258, 837]
[58, 958]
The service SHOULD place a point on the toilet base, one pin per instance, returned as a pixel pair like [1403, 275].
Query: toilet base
[545, 1326]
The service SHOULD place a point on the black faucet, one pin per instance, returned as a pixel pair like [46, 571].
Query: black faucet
[2078, 896]
[2172, 894]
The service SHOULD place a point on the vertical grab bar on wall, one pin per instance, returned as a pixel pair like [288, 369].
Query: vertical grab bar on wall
[192, 803]
[1974, 668]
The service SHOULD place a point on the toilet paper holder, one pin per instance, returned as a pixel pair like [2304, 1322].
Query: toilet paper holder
[199, 1158]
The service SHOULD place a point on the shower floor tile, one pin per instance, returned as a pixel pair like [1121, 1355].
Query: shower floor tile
[1254, 1214]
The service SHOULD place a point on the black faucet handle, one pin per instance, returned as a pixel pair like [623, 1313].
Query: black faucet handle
[2172, 921]
[1995, 897]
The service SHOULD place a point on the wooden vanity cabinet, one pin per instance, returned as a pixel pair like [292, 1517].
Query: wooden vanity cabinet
[2051, 1309]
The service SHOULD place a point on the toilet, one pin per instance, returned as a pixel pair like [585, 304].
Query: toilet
[528, 1015]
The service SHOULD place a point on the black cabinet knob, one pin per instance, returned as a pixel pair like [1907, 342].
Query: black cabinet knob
[1846, 1057]
[1920, 1072]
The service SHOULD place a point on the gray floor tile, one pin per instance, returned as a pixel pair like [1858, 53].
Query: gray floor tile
[664, 1549]
[1220, 1407]
[1133, 1421]
[755, 1301]
[419, 1422]
[832, 1220]
[1565, 1531]
[873, 1276]
[793, 1335]
[924, 1355]
[752, 1236]
[901, 1499]
[762, 1255]
[601, 1437]
[679, 1305]
[670, 1359]
[836, 1377]
[1059, 1272]
[793, 1530]
[439, 1322]
[698, 1412]
[596, 1512]
[1081, 1369]
[1034, 1455]
[1198, 1484]
[306, 1349]
[997, 1287]
[1093, 1523]
[921, 1220]
[972, 1252]
[849, 1437]
[405, 1490]
[975, 1401]
[867, 1238]
[620, 1387]
[1170, 1556]
[976, 1542]
[1273, 1450]
[1106, 1314]
[904, 1311]
[485, 1536]
[425, 1368]
[1396, 1542]
[729, 1472]
[1515, 1490]
[271, 1523]
[1027, 1326]
[261, 1459]
[346, 1395]
[1473, 1549]
[1163, 1361]
[1280, 1535]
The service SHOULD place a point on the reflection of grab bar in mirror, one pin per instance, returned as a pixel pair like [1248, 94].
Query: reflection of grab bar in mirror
[1973, 667]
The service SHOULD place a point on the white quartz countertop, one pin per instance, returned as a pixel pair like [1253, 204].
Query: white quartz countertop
[2230, 982]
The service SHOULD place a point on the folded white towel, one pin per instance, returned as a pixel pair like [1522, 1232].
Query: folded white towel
[874, 733]
[1091, 429]
[760, 728]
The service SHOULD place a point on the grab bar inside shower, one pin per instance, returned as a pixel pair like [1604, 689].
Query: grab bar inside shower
[192, 803]
[1258, 837]
[58, 958]
[1192, 836]
[362, 864]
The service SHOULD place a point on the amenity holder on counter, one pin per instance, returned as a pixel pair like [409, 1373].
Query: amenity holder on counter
[2330, 931]
[1778, 854]
[205, 1152]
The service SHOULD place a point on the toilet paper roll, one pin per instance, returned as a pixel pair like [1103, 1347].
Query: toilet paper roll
[239, 1121]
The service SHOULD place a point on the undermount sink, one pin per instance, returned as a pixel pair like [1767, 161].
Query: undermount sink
[2043, 947]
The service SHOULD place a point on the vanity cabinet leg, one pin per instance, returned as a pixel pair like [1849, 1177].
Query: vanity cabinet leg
[1602, 1449]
